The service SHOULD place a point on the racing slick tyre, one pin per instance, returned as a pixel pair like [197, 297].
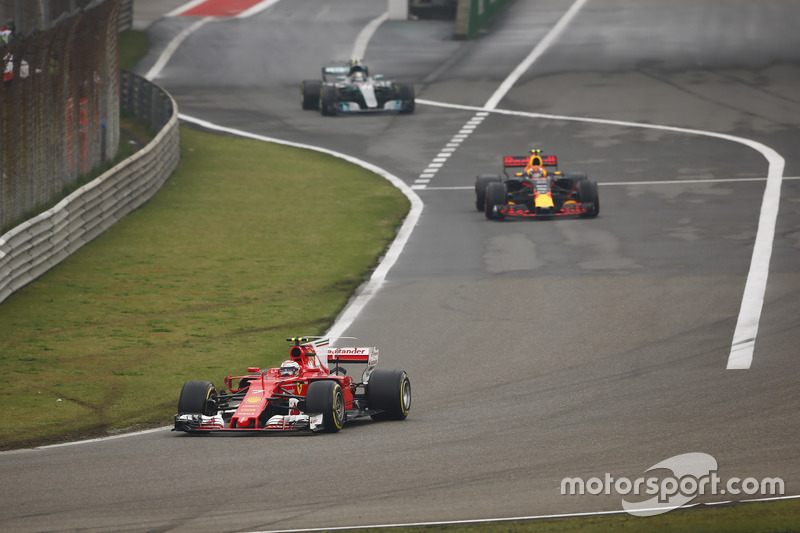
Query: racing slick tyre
[328, 100]
[309, 94]
[481, 182]
[389, 391]
[198, 398]
[588, 193]
[495, 196]
[326, 397]
[406, 93]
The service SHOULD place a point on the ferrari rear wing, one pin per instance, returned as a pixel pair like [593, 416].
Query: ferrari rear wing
[352, 355]
[344, 355]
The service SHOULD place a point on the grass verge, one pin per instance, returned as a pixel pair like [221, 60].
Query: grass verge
[245, 244]
[133, 46]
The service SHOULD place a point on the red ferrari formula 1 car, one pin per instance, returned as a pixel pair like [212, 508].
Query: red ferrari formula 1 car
[303, 394]
[536, 192]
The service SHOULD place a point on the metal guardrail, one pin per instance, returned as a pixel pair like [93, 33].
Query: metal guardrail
[37, 245]
[144, 100]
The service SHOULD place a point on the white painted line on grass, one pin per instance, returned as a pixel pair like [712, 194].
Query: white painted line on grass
[89, 441]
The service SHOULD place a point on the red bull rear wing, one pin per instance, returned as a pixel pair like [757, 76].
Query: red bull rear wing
[520, 161]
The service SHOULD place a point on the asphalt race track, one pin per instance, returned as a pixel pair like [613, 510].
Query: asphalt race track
[537, 350]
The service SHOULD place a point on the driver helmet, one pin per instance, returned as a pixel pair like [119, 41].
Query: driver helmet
[536, 172]
[289, 369]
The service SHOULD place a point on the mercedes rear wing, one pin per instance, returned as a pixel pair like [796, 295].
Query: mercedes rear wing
[337, 71]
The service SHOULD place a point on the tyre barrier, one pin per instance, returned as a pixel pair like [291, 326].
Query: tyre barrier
[40, 243]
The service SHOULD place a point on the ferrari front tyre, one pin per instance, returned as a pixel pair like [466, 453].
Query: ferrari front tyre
[406, 94]
[326, 397]
[588, 194]
[389, 391]
[328, 100]
[198, 398]
[495, 196]
[481, 182]
[310, 94]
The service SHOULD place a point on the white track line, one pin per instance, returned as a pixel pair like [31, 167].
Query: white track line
[535, 54]
[173, 45]
[424, 179]
[636, 183]
[184, 8]
[360, 46]
[515, 518]
[256, 9]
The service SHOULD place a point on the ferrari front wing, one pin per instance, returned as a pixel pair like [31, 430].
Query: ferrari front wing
[194, 423]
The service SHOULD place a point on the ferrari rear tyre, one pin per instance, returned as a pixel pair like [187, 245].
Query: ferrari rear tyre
[326, 397]
[328, 100]
[389, 391]
[406, 93]
[588, 193]
[198, 398]
[481, 182]
[310, 94]
[495, 196]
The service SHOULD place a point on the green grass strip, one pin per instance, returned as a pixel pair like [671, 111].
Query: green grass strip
[247, 243]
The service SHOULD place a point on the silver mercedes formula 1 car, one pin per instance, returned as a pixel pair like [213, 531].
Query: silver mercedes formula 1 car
[351, 89]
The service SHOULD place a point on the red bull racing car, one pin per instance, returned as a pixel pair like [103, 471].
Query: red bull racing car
[535, 191]
[303, 394]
